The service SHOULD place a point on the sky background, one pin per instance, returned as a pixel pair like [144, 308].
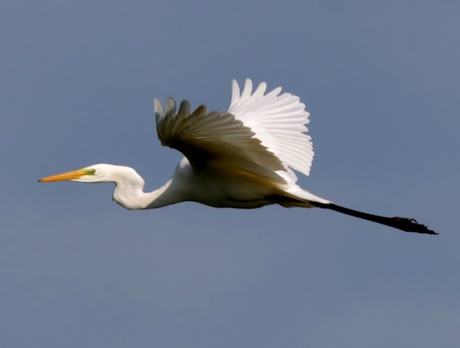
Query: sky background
[381, 81]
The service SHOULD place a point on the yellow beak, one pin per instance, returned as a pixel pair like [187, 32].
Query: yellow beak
[64, 176]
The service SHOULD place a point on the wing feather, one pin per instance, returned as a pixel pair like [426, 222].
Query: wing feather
[215, 140]
[278, 121]
[263, 134]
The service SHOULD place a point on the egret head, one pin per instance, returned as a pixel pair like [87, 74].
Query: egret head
[128, 184]
[94, 173]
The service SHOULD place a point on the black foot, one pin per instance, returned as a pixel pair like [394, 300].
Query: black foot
[410, 225]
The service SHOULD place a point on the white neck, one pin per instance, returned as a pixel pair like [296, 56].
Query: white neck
[129, 192]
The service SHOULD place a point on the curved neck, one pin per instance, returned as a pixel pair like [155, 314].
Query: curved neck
[129, 188]
[131, 196]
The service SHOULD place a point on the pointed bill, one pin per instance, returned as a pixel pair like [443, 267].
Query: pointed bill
[64, 176]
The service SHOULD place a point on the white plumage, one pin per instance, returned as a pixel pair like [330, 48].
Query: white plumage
[242, 158]
[278, 121]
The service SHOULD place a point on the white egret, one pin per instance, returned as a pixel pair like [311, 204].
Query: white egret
[242, 158]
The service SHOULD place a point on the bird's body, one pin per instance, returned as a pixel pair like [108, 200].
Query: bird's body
[242, 158]
[223, 189]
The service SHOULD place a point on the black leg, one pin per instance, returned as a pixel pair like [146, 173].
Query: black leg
[404, 224]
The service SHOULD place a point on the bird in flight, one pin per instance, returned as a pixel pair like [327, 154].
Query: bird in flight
[242, 158]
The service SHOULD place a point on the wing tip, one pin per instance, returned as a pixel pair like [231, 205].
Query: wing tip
[158, 107]
[235, 92]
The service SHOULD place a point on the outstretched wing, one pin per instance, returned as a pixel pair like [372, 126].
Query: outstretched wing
[214, 140]
[260, 134]
[278, 121]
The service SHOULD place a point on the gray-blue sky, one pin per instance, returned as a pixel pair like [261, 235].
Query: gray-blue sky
[77, 80]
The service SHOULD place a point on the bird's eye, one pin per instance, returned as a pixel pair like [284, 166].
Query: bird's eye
[91, 172]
